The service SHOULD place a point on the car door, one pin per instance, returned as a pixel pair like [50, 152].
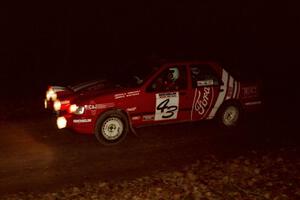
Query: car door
[165, 96]
[206, 88]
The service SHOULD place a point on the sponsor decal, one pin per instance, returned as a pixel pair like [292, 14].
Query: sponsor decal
[148, 117]
[205, 83]
[167, 105]
[133, 93]
[136, 118]
[99, 106]
[104, 105]
[90, 107]
[119, 96]
[250, 91]
[82, 120]
[202, 101]
[127, 94]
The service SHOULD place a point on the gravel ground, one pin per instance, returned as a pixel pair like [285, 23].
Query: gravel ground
[255, 175]
[263, 174]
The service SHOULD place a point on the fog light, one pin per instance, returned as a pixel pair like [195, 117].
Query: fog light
[61, 122]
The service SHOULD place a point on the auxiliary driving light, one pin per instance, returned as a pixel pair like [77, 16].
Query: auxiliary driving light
[57, 105]
[61, 122]
[51, 95]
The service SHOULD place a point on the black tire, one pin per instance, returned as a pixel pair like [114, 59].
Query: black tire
[111, 127]
[230, 115]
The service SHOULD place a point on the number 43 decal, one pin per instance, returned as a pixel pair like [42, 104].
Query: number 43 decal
[166, 106]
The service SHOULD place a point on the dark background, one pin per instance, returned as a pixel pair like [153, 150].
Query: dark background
[59, 43]
[43, 44]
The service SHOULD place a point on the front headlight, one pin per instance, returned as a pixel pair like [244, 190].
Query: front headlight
[57, 105]
[78, 110]
[73, 108]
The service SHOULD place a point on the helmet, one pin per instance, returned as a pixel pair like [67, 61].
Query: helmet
[173, 74]
[195, 71]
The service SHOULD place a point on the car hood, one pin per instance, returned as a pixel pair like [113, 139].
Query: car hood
[89, 85]
[115, 91]
[72, 91]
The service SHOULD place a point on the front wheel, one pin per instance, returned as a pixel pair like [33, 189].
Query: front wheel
[111, 128]
[229, 116]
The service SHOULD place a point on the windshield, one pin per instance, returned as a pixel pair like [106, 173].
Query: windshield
[132, 77]
[101, 83]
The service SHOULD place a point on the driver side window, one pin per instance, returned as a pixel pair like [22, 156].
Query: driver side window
[171, 79]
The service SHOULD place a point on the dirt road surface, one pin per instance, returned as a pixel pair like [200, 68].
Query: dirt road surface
[35, 156]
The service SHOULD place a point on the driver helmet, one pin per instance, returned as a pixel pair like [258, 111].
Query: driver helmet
[173, 74]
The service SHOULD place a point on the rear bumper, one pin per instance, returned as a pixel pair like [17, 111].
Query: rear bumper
[252, 106]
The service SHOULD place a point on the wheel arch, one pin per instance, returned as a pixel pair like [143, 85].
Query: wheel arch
[230, 102]
[126, 114]
[219, 114]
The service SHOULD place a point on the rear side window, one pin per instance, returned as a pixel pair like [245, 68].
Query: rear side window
[203, 75]
[171, 79]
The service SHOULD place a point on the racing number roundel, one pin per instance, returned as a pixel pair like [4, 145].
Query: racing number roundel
[166, 106]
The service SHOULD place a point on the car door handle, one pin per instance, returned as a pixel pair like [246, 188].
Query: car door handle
[182, 93]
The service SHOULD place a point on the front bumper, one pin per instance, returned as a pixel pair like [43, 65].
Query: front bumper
[80, 124]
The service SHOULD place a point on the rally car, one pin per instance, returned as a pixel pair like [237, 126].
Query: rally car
[171, 93]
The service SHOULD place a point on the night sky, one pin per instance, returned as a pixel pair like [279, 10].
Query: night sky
[42, 44]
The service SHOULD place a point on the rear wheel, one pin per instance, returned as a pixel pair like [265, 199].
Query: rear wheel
[229, 115]
[111, 127]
